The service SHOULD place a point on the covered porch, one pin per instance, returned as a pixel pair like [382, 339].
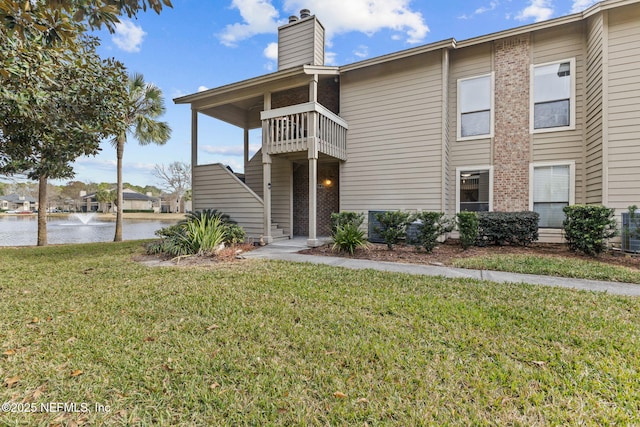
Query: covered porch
[296, 111]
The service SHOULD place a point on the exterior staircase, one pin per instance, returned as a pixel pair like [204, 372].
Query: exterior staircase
[277, 233]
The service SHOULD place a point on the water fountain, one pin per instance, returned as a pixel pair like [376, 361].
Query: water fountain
[84, 217]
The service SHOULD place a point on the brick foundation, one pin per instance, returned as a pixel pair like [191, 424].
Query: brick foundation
[511, 154]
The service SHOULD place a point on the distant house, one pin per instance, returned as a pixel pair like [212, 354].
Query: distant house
[530, 118]
[133, 201]
[15, 202]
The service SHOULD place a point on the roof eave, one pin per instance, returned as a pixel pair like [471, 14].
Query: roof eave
[444, 44]
[256, 81]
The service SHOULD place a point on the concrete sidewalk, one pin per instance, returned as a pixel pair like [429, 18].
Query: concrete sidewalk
[287, 250]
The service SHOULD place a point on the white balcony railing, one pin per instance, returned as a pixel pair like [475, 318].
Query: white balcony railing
[296, 128]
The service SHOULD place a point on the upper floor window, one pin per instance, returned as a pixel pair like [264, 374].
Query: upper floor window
[553, 96]
[475, 107]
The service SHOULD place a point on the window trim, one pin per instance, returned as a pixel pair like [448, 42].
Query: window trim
[572, 98]
[572, 181]
[459, 136]
[461, 169]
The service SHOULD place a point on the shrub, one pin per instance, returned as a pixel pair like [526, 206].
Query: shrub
[343, 218]
[468, 228]
[393, 226]
[200, 233]
[205, 234]
[588, 227]
[501, 228]
[235, 234]
[431, 226]
[349, 237]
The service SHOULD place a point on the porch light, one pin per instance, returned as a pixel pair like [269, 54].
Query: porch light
[327, 182]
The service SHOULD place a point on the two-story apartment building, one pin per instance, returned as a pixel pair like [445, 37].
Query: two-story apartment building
[532, 118]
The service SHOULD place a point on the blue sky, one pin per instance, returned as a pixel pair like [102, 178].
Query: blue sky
[203, 44]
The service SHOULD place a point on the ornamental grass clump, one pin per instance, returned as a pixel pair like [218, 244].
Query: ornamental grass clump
[346, 233]
[201, 233]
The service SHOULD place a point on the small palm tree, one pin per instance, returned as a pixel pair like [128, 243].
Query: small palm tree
[145, 104]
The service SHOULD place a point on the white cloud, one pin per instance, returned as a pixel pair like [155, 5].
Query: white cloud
[89, 163]
[539, 10]
[271, 51]
[337, 16]
[330, 58]
[367, 16]
[362, 51]
[258, 16]
[492, 6]
[128, 36]
[228, 151]
[202, 88]
[580, 5]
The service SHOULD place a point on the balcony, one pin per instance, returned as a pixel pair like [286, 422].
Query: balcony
[301, 127]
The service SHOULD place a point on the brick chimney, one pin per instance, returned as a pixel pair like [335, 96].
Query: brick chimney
[301, 41]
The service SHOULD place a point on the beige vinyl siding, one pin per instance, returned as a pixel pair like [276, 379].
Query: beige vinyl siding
[217, 188]
[281, 197]
[465, 63]
[624, 108]
[594, 92]
[394, 142]
[557, 44]
[253, 174]
[446, 135]
[301, 43]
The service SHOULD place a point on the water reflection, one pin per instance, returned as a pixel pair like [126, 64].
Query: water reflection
[22, 230]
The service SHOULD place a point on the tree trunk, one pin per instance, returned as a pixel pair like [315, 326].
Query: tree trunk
[42, 211]
[120, 189]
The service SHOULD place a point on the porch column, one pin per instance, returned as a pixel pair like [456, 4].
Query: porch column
[313, 202]
[246, 148]
[194, 139]
[194, 154]
[266, 179]
[313, 180]
[313, 89]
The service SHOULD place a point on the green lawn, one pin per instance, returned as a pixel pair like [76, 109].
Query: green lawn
[276, 343]
[552, 266]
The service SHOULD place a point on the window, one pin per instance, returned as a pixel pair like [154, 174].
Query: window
[474, 189]
[553, 96]
[551, 190]
[475, 107]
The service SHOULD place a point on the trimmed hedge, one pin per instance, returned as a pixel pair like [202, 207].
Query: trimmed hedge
[468, 227]
[588, 227]
[393, 226]
[431, 226]
[502, 228]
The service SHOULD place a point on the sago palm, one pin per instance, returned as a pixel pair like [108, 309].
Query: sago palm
[145, 105]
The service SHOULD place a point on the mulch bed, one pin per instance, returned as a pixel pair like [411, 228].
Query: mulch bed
[446, 253]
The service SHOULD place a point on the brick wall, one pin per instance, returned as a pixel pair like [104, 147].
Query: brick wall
[328, 198]
[328, 96]
[294, 96]
[511, 152]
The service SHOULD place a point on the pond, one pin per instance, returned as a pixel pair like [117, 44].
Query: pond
[22, 230]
